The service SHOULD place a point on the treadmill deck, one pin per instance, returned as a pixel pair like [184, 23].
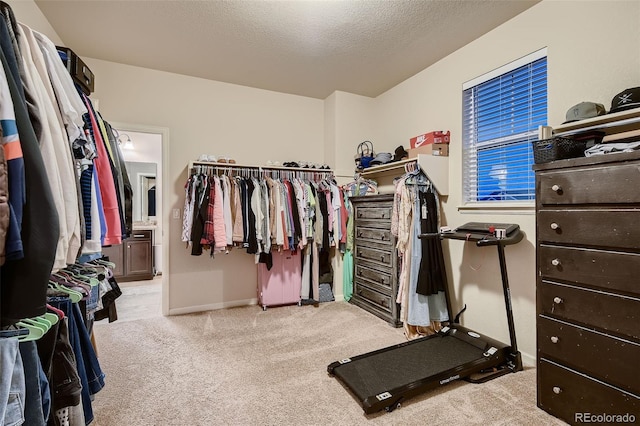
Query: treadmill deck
[382, 378]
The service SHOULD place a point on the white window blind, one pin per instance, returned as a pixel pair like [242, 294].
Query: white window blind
[501, 115]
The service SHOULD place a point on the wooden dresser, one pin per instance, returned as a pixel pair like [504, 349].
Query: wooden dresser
[588, 286]
[375, 280]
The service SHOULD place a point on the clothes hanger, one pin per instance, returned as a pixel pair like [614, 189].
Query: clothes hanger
[75, 280]
[50, 317]
[74, 295]
[37, 326]
[91, 270]
[35, 332]
[58, 312]
[41, 323]
[82, 278]
[104, 262]
[416, 176]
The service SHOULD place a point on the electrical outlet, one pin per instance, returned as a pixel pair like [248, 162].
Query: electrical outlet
[176, 213]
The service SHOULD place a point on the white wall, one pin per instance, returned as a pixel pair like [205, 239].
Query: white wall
[353, 123]
[28, 13]
[208, 117]
[347, 123]
[593, 53]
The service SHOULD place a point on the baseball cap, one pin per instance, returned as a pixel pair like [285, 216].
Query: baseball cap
[627, 99]
[584, 110]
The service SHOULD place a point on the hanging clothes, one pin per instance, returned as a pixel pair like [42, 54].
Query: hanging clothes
[415, 200]
[431, 278]
[24, 281]
[227, 214]
[113, 232]
[49, 203]
[55, 150]
[202, 195]
[258, 213]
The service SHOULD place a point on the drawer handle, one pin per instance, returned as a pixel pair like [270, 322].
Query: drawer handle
[556, 188]
[555, 262]
[383, 303]
[555, 226]
[382, 258]
[554, 339]
[556, 301]
[556, 390]
[139, 235]
[359, 234]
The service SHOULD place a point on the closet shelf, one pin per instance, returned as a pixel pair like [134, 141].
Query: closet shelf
[435, 167]
[617, 122]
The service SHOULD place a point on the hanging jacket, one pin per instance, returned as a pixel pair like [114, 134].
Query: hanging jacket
[24, 281]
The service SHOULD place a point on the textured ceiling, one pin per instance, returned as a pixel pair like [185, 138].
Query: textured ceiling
[304, 47]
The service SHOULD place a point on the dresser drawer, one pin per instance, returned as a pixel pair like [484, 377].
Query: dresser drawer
[141, 235]
[606, 357]
[602, 310]
[384, 257]
[608, 228]
[376, 235]
[605, 269]
[380, 278]
[570, 395]
[594, 185]
[379, 212]
[381, 301]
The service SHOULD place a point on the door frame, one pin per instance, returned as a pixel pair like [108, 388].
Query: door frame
[166, 208]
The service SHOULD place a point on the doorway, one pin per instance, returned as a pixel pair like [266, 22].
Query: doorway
[145, 152]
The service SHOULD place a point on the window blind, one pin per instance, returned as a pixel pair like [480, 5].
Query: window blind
[501, 116]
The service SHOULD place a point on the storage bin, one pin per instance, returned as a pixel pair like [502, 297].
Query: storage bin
[557, 149]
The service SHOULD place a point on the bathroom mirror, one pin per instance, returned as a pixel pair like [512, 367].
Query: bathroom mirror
[143, 183]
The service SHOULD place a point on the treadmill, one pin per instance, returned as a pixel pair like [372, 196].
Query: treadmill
[382, 379]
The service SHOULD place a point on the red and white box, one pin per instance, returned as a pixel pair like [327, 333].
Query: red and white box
[437, 136]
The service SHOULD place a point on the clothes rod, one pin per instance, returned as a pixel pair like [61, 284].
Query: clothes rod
[193, 164]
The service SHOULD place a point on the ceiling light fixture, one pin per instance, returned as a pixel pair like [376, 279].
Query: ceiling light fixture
[127, 143]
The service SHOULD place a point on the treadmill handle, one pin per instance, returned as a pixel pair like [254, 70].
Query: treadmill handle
[430, 235]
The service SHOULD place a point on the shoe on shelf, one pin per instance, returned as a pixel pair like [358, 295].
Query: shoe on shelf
[227, 160]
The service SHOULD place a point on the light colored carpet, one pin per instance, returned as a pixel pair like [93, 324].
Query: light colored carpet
[139, 300]
[245, 366]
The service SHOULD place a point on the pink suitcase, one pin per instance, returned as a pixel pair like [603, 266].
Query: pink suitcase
[280, 285]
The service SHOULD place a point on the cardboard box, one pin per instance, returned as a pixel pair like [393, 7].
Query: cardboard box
[428, 138]
[440, 149]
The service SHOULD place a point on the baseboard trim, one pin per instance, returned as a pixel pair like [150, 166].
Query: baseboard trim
[224, 305]
[212, 306]
[528, 360]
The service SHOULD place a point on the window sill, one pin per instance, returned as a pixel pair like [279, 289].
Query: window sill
[526, 208]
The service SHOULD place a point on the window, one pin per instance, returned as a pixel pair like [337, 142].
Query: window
[501, 114]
